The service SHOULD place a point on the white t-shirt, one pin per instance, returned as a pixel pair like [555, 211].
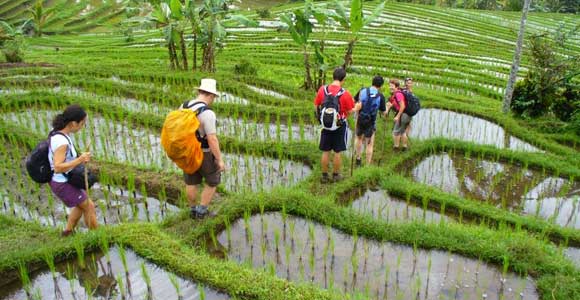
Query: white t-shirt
[57, 141]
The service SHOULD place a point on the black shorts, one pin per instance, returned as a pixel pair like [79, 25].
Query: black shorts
[333, 140]
[208, 170]
[367, 131]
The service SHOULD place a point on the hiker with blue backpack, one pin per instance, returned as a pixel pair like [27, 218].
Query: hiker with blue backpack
[406, 105]
[333, 105]
[63, 158]
[372, 101]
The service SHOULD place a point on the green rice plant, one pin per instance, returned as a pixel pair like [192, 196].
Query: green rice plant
[277, 239]
[506, 264]
[147, 280]
[272, 269]
[175, 282]
[122, 292]
[49, 260]
[213, 238]
[201, 291]
[70, 275]
[123, 257]
[25, 279]
[80, 250]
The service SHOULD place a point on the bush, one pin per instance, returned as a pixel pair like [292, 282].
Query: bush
[245, 68]
[13, 49]
[263, 13]
[574, 123]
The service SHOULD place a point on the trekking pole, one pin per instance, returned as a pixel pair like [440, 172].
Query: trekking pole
[87, 174]
[353, 143]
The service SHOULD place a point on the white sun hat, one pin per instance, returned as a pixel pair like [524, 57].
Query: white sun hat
[209, 85]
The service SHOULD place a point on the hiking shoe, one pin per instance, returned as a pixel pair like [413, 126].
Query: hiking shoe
[336, 177]
[404, 149]
[200, 212]
[66, 233]
[396, 149]
[358, 162]
[324, 178]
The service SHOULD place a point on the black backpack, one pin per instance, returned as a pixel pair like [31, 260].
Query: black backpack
[370, 107]
[37, 164]
[330, 110]
[412, 103]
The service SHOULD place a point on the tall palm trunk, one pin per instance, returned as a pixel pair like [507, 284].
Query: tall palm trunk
[509, 90]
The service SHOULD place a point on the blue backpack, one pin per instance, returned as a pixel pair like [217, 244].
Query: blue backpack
[370, 107]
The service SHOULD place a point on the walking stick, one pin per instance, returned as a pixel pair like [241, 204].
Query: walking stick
[87, 174]
[353, 143]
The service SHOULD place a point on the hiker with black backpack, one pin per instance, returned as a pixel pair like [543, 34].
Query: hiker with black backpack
[372, 101]
[63, 158]
[402, 120]
[333, 105]
[200, 128]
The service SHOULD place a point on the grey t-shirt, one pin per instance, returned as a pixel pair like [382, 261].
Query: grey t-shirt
[207, 119]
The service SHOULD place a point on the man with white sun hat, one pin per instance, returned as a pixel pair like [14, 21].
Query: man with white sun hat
[213, 163]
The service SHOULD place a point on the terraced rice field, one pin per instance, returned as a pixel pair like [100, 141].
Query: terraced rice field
[482, 206]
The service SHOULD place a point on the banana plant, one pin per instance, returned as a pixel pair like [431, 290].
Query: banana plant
[354, 22]
[12, 43]
[40, 16]
[300, 27]
[213, 15]
[323, 61]
[168, 16]
[192, 13]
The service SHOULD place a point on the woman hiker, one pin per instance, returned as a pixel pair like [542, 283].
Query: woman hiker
[62, 156]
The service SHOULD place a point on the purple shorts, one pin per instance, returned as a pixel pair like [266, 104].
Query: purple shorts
[70, 195]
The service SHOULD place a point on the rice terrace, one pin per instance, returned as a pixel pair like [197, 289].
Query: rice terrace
[219, 149]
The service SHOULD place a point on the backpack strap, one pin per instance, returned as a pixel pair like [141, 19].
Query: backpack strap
[201, 107]
[55, 132]
[327, 93]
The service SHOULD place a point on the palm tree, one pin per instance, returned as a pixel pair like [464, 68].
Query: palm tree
[509, 90]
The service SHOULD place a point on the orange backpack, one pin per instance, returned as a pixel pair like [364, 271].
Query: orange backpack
[179, 137]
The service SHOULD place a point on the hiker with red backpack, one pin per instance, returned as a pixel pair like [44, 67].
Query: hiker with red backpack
[372, 101]
[63, 158]
[190, 140]
[405, 105]
[333, 105]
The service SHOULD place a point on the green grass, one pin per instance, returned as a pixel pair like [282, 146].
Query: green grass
[463, 80]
